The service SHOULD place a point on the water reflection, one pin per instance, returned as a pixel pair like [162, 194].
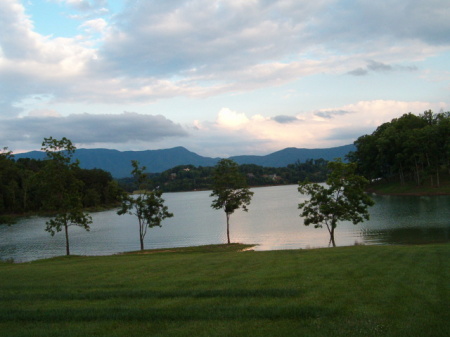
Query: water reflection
[273, 222]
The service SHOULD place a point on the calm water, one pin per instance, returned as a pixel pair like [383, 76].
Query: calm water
[272, 222]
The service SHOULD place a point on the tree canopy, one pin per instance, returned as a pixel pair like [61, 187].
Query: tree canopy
[148, 205]
[63, 188]
[409, 148]
[341, 199]
[24, 184]
[229, 189]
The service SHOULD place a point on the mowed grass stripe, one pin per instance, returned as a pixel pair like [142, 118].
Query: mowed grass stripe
[358, 291]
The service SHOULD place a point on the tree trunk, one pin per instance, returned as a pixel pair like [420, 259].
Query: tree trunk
[141, 233]
[228, 227]
[141, 239]
[66, 230]
[417, 172]
[402, 177]
[438, 181]
[332, 237]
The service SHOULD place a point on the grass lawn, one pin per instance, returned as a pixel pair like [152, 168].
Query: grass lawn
[218, 291]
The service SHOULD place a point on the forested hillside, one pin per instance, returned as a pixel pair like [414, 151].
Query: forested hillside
[189, 177]
[24, 186]
[158, 161]
[407, 149]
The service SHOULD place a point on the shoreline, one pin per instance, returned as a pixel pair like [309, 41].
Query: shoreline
[410, 194]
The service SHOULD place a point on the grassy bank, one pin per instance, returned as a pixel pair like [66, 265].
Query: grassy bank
[411, 188]
[218, 291]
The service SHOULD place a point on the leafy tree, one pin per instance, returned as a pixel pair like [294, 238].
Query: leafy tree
[230, 189]
[147, 206]
[409, 148]
[8, 185]
[63, 188]
[341, 199]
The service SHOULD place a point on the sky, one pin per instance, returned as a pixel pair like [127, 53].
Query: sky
[219, 77]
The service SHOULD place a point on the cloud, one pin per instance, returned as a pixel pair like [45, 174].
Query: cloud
[319, 129]
[283, 119]
[231, 133]
[379, 67]
[358, 72]
[235, 46]
[231, 119]
[88, 129]
[348, 134]
[377, 21]
[85, 5]
[201, 48]
[94, 26]
[214, 51]
[328, 114]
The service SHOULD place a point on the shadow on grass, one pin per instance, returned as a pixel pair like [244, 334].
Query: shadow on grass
[185, 313]
[150, 294]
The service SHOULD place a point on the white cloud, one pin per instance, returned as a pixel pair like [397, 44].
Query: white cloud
[314, 129]
[231, 119]
[217, 50]
[44, 113]
[85, 5]
[94, 26]
[200, 48]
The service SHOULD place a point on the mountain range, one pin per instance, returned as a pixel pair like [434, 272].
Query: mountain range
[118, 163]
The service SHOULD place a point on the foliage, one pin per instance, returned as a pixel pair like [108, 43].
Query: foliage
[341, 199]
[23, 186]
[63, 188]
[230, 189]
[347, 291]
[189, 177]
[409, 148]
[147, 205]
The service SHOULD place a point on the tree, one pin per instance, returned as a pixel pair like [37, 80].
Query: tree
[148, 205]
[409, 148]
[342, 199]
[63, 189]
[230, 189]
[8, 186]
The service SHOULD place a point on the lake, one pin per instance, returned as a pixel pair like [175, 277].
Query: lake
[272, 222]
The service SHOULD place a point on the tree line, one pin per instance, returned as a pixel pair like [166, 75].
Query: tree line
[189, 177]
[407, 149]
[26, 186]
[66, 190]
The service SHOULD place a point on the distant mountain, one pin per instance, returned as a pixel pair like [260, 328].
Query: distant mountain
[291, 154]
[119, 163]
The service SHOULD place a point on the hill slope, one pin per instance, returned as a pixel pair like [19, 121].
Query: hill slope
[291, 154]
[119, 163]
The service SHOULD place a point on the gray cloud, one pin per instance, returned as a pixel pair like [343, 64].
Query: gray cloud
[348, 134]
[399, 22]
[87, 5]
[197, 48]
[331, 113]
[204, 37]
[358, 72]
[91, 129]
[374, 66]
[378, 66]
[283, 119]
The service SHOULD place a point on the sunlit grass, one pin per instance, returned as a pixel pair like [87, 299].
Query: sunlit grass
[220, 291]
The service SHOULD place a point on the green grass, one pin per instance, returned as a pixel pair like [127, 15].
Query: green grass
[220, 291]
